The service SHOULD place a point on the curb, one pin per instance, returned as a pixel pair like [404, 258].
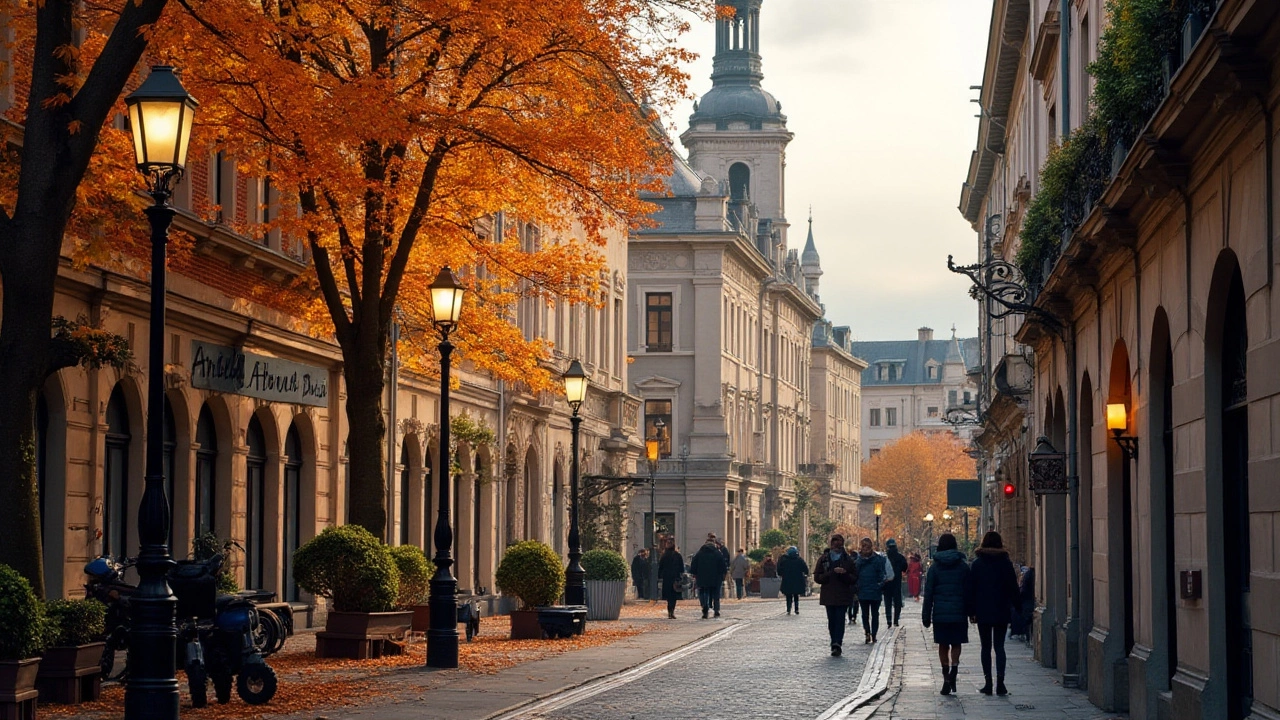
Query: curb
[875, 679]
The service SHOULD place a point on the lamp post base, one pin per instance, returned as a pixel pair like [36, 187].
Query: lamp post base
[442, 636]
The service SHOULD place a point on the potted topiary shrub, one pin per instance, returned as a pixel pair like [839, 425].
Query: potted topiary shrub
[356, 572]
[415, 584]
[606, 583]
[530, 571]
[70, 669]
[21, 640]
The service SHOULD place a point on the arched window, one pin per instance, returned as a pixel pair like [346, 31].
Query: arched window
[255, 506]
[292, 507]
[206, 471]
[115, 484]
[739, 182]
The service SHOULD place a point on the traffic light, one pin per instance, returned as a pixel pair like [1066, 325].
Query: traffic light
[1010, 490]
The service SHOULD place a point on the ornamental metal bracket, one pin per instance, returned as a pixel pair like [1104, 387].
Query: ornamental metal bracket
[1002, 282]
[961, 415]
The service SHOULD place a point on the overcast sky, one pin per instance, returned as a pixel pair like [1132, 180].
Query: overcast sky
[877, 95]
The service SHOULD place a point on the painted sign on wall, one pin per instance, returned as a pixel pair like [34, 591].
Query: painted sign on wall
[232, 370]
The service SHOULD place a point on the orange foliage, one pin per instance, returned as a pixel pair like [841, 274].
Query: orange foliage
[396, 127]
[914, 472]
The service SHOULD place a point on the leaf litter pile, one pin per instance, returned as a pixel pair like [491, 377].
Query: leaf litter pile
[307, 683]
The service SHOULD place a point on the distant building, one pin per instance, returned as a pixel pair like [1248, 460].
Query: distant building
[835, 433]
[911, 385]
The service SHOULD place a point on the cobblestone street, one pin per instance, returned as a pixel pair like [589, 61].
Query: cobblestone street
[773, 666]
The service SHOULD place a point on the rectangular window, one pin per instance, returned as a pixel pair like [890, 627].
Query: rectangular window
[893, 373]
[891, 417]
[658, 322]
[933, 411]
[875, 417]
[933, 372]
[967, 397]
[882, 373]
[951, 398]
[655, 410]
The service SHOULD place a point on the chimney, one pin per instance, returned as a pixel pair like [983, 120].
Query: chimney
[926, 334]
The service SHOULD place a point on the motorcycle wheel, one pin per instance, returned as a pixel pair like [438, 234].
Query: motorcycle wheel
[222, 688]
[198, 684]
[269, 636]
[256, 684]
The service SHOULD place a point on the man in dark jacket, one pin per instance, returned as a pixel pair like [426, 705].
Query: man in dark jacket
[835, 573]
[640, 573]
[893, 588]
[792, 569]
[709, 567]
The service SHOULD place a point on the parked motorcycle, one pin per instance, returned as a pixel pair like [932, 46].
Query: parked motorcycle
[217, 633]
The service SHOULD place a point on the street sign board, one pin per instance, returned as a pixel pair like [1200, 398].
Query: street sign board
[964, 493]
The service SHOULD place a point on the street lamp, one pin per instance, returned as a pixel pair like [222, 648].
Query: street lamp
[879, 509]
[1118, 423]
[442, 632]
[575, 578]
[160, 114]
[929, 519]
[653, 452]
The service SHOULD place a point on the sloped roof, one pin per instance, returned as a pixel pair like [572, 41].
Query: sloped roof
[914, 355]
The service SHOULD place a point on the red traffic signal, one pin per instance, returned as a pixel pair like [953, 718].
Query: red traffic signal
[1010, 490]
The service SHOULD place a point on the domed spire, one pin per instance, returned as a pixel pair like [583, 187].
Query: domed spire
[736, 70]
[809, 258]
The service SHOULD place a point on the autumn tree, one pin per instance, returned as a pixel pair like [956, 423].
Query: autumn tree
[914, 471]
[394, 126]
[70, 61]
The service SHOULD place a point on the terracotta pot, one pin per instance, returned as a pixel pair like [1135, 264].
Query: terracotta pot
[525, 626]
[18, 677]
[382, 624]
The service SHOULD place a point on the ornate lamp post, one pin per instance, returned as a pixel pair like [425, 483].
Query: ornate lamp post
[879, 509]
[653, 452]
[929, 519]
[442, 633]
[575, 578]
[160, 114]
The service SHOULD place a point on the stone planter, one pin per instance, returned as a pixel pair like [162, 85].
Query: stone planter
[769, 587]
[604, 599]
[71, 675]
[421, 618]
[524, 625]
[18, 687]
[360, 636]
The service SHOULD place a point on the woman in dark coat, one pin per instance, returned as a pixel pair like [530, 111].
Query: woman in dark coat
[870, 569]
[768, 568]
[792, 569]
[670, 571]
[946, 606]
[994, 586]
[836, 573]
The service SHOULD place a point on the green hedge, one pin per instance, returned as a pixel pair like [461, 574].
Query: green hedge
[351, 567]
[23, 627]
[531, 571]
[75, 622]
[414, 571]
[602, 564]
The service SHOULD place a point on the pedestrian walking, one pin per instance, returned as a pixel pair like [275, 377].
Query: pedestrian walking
[738, 570]
[793, 570]
[915, 571]
[946, 598]
[670, 573]
[993, 585]
[768, 568]
[836, 573]
[872, 575]
[708, 566]
[893, 588]
[640, 573]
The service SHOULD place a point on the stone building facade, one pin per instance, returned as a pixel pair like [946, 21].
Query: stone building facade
[911, 385]
[1155, 572]
[725, 319]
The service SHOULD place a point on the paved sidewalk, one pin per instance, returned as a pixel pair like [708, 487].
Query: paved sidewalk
[1035, 692]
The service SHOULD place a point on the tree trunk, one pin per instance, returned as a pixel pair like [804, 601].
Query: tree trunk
[28, 274]
[364, 370]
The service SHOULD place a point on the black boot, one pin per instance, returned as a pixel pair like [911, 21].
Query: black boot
[986, 689]
[946, 680]
[1000, 688]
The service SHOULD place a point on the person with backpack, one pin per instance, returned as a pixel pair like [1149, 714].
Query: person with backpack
[947, 601]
